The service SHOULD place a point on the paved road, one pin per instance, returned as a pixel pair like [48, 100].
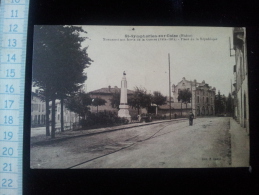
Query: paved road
[165, 145]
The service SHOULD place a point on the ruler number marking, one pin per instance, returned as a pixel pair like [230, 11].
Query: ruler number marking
[8, 135]
[9, 89]
[12, 42]
[8, 102]
[7, 167]
[11, 58]
[13, 27]
[8, 120]
[7, 151]
[7, 183]
[10, 73]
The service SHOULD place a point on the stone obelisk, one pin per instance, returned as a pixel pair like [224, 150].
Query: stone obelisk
[124, 108]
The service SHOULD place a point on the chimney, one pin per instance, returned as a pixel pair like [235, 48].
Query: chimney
[109, 88]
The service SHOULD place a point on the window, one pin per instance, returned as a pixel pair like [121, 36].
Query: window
[42, 109]
[198, 99]
[39, 107]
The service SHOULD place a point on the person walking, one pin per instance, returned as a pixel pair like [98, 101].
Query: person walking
[191, 117]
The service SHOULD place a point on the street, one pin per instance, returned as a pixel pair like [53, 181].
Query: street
[172, 144]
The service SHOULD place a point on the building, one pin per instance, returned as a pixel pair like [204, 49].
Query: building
[240, 77]
[177, 110]
[69, 117]
[38, 112]
[107, 94]
[203, 97]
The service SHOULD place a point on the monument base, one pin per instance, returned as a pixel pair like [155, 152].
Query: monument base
[124, 113]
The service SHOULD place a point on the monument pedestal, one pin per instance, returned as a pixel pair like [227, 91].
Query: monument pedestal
[124, 112]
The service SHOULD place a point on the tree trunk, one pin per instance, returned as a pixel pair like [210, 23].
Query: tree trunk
[53, 118]
[181, 110]
[62, 114]
[47, 115]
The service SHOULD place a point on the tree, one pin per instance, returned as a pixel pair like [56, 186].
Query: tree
[220, 102]
[185, 97]
[140, 99]
[58, 64]
[158, 98]
[79, 103]
[98, 102]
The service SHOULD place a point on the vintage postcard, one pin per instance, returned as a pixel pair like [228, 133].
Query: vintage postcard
[139, 97]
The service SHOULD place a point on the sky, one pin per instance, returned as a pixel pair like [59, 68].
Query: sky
[204, 56]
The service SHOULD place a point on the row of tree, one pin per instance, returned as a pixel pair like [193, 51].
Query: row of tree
[80, 102]
[59, 61]
[224, 105]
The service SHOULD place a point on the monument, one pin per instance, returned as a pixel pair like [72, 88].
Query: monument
[124, 108]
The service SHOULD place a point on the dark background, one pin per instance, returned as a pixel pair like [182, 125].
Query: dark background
[148, 13]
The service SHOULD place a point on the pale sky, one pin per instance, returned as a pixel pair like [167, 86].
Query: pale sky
[146, 62]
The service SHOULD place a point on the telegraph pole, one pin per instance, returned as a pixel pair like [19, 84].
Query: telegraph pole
[169, 84]
[191, 96]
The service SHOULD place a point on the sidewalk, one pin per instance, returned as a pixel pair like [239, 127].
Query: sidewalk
[59, 136]
[239, 145]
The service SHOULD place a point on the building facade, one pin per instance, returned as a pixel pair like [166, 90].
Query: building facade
[240, 78]
[203, 96]
[38, 112]
[69, 118]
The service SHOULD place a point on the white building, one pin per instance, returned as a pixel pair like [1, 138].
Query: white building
[203, 96]
[240, 77]
[38, 112]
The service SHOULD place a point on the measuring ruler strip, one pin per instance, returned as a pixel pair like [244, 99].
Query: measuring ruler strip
[13, 39]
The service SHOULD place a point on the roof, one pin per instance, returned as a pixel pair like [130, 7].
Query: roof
[203, 83]
[109, 91]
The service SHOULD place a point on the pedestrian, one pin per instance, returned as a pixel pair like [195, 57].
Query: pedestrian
[191, 116]
[139, 118]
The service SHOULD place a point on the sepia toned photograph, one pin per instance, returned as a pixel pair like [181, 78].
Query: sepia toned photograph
[139, 97]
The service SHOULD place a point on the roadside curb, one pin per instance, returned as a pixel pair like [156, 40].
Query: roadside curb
[99, 131]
